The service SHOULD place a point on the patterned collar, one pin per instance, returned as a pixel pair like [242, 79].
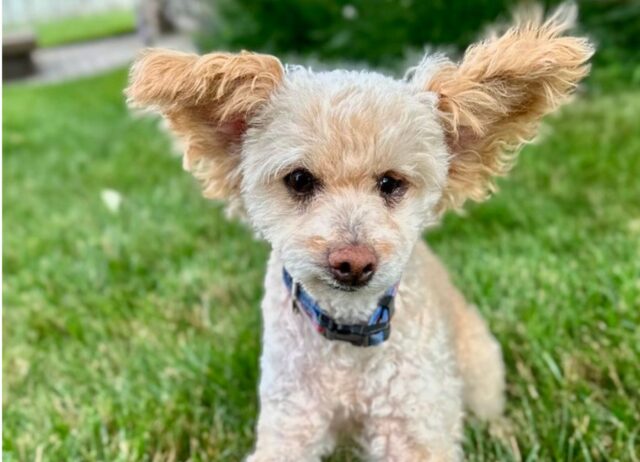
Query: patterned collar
[374, 332]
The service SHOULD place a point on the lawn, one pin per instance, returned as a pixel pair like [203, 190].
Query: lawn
[133, 334]
[86, 27]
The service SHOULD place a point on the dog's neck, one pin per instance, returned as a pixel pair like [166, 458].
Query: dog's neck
[354, 307]
[350, 307]
[370, 333]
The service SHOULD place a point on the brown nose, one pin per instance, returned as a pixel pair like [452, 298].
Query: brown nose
[353, 265]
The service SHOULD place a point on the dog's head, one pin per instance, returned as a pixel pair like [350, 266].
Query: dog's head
[342, 171]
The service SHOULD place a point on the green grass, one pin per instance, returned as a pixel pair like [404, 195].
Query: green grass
[135, 335]
[83, 28]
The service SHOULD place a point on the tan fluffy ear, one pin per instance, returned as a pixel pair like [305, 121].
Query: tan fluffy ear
[208, 101]
[492, 101]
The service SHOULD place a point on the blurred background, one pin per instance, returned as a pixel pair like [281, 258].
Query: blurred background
[131, 326]
[44, 39]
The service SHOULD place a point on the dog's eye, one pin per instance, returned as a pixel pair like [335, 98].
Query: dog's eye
[391, 187]
[301, 182]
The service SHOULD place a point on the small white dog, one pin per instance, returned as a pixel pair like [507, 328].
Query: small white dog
[341, 172]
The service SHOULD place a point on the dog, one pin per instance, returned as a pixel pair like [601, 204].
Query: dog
[341, 172]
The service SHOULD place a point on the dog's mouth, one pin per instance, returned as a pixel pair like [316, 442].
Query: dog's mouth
[342, 287]
[329, 281]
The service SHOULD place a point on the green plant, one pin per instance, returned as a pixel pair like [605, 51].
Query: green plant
[83, 28]
[380, 32]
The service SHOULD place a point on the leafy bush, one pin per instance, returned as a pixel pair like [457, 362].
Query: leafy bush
[379, 32]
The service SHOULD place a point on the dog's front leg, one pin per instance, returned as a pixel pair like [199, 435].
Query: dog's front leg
[292, 427]
[392, 440]
[416, 414]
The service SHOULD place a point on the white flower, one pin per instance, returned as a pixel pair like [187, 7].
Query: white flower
[349, 12]
[112, 199]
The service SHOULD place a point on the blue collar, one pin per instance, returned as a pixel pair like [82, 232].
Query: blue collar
[374, 332]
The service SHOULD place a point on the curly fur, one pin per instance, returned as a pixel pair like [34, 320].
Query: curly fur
[208, 102]
[246, 124]
[492, 102]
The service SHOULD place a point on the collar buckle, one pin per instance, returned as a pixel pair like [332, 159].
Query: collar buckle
[359, 335]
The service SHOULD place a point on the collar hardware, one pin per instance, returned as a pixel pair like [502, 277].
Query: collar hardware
[374, 332]
[295, 292]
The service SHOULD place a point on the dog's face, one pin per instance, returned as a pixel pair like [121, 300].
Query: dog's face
[342, 171]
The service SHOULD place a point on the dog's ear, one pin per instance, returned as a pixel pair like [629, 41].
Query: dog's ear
[209, 102]
[492, 101]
